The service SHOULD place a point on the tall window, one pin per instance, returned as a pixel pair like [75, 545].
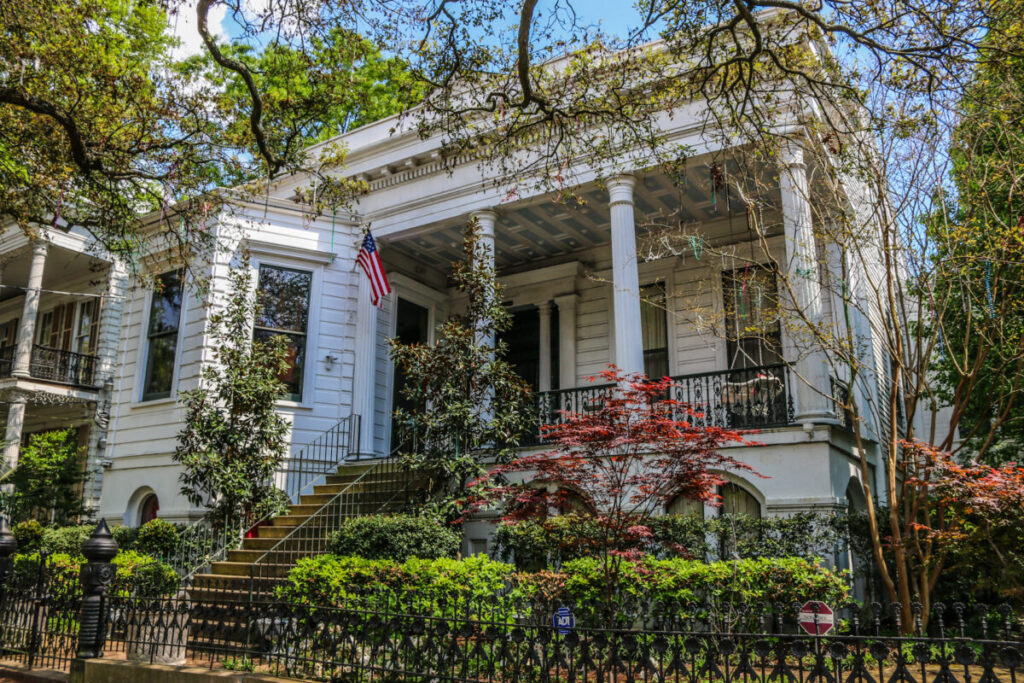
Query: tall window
[753, 337]
[162, 336]
[56, 327]
[88, 326]
[284, 298]
[654, 330]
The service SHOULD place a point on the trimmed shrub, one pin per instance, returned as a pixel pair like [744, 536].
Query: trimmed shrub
[66, 540]
[29, 535]
[536, 544]
[158, 538]
[330, 579]
[733, 589]
[395, 537]
[125, 536]
[136, 574]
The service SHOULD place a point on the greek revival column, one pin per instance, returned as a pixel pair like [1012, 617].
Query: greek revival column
[30, 309]
[566, 340]
[802, 272]
[629, 354]
[544, 339]
[12, 435]
[364, 384]
[486, 221]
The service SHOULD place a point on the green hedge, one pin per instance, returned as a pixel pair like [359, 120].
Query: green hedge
[533, 544]
[136, 574]
[395, 537]
[495, 588]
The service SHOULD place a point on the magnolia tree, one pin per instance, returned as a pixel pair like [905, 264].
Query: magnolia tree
[618, 463]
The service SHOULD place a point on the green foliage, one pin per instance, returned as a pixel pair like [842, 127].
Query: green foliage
[463, 405]
[330, 579]
[45, 482]
[395, 537]
[158, 538]
[125, 536]
[136, 574]
[66, 540]
[686, 585]
[29, 535]
[234, 439]
[536, 543]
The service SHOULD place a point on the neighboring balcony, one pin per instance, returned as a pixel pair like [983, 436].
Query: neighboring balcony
[748, 398]
[54, 365]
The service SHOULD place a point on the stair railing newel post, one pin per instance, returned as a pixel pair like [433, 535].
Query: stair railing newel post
[96, 577]
[8, 547]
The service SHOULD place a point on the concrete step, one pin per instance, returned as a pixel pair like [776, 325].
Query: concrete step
[274, 531]
[243, 569]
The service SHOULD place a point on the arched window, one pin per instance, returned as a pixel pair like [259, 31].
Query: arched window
[738, 501]
[685, 507]
[148, 509]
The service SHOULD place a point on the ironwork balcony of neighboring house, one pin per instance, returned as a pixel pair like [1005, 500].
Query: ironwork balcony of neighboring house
[54, 365]
[748, 398]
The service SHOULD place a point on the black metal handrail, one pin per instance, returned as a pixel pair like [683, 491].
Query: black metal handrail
[747, 398]
[63, 367]
[321, 457]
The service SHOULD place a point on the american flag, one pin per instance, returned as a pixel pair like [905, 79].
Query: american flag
[369, 259]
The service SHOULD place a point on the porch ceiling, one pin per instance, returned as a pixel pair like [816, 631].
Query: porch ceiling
[62, 265]
[541, 228]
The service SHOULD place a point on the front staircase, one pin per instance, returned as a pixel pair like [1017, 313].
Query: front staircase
[261, 563]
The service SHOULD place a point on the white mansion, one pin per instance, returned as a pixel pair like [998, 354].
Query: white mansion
[82, 343]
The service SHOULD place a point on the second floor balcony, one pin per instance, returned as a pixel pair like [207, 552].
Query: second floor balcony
[53, 365]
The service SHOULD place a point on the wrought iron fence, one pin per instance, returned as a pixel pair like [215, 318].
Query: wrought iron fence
[65, 367]
[457, 637]
[39, 606]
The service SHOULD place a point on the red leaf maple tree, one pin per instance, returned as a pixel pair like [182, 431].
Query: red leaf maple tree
[618, 462]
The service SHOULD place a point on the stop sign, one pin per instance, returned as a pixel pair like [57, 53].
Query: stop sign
[816, 618]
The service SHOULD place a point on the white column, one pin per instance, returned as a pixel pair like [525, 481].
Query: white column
[802, 272]
[486, 221]
[566, 340]
[629, 354]
[12, 433]
[30, 309]
[364, 385]
[544, 339]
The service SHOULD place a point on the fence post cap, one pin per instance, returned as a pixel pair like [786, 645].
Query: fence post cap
[8, 543]
[100, 546]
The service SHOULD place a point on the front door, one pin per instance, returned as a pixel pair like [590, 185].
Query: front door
[412, 326]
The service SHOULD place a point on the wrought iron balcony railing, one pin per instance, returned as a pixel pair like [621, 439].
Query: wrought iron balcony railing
[748, 398]
[63, 367]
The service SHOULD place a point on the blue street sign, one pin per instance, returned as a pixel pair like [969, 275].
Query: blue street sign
[563, 620]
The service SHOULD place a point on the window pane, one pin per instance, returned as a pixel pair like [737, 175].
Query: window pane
[160, 366]
[654, 330]
[752, 326]
[165, 313]
[164, 319]
[284, 296]
[295, 357]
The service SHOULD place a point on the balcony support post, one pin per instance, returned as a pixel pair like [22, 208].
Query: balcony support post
[30, 310]
[629, 353]
[12, 434]
[544, 366]
[802, 272]
[567, 340]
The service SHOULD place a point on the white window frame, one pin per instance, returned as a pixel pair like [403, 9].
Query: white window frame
[143, 346]
[313, 351]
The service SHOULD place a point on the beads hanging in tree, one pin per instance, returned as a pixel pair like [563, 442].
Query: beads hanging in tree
[717, 179]
[988, 289]
[697, 245]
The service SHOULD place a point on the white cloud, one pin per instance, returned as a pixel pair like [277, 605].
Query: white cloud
[183, 26]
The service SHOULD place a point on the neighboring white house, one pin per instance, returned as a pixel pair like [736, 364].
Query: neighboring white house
[581, 299]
